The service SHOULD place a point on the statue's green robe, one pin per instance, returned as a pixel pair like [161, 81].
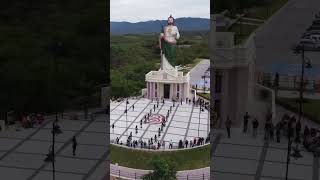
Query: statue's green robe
[170, 53]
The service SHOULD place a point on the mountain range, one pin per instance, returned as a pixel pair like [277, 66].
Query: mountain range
[184, 24]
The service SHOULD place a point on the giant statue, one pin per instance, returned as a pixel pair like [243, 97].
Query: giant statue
[167, 42]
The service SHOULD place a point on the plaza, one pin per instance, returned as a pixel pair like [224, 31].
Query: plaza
[22, 151]
[185, 122]
[263, 160]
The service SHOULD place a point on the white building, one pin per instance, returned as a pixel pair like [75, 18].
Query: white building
[167, 83]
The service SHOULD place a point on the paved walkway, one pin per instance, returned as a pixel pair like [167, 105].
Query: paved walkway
[244, 157]
[129, 173]
[198, 71]
[183, 122]
[22, 152]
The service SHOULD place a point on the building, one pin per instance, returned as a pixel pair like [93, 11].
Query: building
[167, 83]
[233, 77]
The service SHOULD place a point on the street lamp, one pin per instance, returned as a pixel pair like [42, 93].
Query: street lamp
[304, 64]
[56, 50]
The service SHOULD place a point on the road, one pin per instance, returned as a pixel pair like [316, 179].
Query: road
[277, 36]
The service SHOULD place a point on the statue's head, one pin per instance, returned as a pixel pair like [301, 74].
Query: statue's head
[170, 20]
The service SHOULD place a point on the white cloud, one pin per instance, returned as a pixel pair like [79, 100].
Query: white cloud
[144, 10]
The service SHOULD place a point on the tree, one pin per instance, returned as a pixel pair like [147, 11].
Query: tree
[162, 170]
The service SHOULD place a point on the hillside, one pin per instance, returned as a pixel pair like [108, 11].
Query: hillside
[184, 24]
[134, 55]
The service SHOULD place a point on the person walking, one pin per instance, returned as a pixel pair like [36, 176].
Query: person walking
[267, 128]
[278, 133]
[298, 128]
[136, 129]
[255, 125]
[228, 126]
[133, 107]
[245, 122]
[272, 131]
[74, 145]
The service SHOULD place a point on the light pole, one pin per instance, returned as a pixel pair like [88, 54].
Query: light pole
[53, 143]
[297, 50]
[199, 121]
[126, 111]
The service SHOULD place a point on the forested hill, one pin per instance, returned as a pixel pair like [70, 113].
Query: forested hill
[51, 53]
[184, 24]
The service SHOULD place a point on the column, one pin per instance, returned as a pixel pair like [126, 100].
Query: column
[148, 93]
[158, 90]
[224, 98]
[171, 90]
[152, 92]
[182, 91]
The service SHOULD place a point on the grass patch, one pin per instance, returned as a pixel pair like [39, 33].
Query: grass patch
[262, 12]
[310, 108]
[185, 160]
[204, 95]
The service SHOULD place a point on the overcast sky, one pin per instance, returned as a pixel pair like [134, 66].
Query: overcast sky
[145, 10]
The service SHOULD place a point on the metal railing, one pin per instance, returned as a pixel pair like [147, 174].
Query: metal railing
[288, 82]
[136, 175]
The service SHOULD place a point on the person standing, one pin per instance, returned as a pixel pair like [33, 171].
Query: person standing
[245, 122]
[133, 107]
[74, 145]
[255, 124]
[271, 131]
[228, 126]
[278, 134]
[136, 129]
[298, 128]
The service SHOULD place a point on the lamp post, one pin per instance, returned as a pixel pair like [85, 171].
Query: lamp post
[297, 50]
[199, 121]
[57, 51]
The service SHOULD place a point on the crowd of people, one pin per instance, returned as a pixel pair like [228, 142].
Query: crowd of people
[288, 127]
[29, 120]
[155, 143]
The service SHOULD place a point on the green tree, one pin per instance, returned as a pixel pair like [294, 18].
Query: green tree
[162, 170]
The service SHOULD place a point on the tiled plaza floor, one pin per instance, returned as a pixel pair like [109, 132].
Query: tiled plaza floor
[243, 157]
[22, 153]
[183, 122]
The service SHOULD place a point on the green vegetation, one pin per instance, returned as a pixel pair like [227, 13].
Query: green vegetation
[204, 95]
[162, 170]
[310, 107]
[35, 75]
[264, 12]
[186, 159]
[133, 55]
[253, 9]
